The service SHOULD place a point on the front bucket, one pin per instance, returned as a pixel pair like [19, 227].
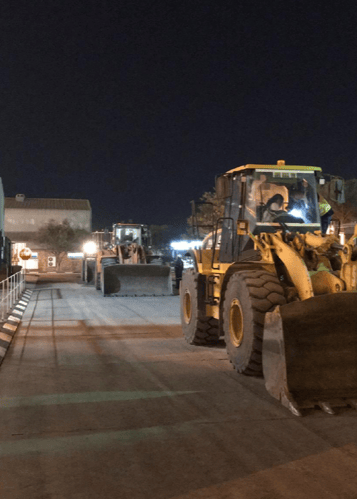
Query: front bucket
[137, 280]
[310, 352]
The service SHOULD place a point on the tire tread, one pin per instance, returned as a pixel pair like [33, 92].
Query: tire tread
[205, 329]
[265, 292]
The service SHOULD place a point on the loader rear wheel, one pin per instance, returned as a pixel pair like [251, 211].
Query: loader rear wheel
[197, 328]
[106, 262]
[96, 278]
[97, 281]
[249, 296]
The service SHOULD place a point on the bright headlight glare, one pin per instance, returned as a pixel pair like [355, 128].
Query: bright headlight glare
[296, 213]
[90, 248]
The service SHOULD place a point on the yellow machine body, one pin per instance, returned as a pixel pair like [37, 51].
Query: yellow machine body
[309, 333]
[126, 267]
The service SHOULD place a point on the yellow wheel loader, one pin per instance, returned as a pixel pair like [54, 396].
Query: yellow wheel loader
[281, 294]
[127, 267]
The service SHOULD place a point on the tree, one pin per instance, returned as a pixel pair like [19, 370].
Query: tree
[60, 238]
[159, 236]
[344, 213]
[208, 213]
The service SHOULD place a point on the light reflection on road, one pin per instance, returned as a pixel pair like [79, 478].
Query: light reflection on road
[84, 398]
[93, 441]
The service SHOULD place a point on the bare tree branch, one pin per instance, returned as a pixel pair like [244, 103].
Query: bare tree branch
[208, 214]
[60, 238]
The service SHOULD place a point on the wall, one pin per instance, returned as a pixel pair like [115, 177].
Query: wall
[67, 264]
[23, 223]
[39, 262]
[30, 220]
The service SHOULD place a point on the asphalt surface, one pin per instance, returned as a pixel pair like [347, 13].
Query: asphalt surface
[102, 397]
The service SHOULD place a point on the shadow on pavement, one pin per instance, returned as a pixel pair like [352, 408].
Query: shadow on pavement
[52, 278]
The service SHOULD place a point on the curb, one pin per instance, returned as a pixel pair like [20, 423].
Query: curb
[9, 327]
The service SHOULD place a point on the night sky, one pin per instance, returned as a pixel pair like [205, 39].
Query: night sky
[137, 106]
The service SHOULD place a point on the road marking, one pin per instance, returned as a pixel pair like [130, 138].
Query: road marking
[86, 397]
[10, 327]
[13, 318]
[90, 442]
[5, 337]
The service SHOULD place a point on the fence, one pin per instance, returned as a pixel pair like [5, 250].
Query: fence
[11, 291]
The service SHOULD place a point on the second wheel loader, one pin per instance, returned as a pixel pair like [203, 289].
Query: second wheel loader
[282, 294]
[127, 267]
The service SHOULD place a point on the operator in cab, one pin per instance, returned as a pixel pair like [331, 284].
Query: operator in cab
[301, 205]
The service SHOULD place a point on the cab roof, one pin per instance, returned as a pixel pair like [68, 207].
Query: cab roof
[279, 166]
[125, 225]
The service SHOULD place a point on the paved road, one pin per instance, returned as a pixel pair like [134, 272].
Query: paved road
[101, 397]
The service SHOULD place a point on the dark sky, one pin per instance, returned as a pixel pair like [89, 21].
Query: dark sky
[136, 106]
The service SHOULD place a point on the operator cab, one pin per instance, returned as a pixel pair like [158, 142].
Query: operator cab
[276, 196]
[271, 199]
[128, 234]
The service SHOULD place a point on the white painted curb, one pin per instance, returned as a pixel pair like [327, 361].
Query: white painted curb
[9, 328]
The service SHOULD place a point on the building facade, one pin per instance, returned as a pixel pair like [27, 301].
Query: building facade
[25, 216]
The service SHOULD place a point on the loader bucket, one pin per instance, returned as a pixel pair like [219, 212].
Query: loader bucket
[137, 280]
[310, 352]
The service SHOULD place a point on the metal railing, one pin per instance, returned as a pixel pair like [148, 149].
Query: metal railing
[11, 290]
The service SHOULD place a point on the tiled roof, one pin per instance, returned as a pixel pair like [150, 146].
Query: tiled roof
[47, 204]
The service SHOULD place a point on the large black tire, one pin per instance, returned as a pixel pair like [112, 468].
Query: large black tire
[197, 328]
[106, 262]
[249, 296]
[83, 270]
[96, 279]
[90, 271]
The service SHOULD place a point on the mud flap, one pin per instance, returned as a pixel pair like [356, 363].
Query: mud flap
[310, 352]
[137, 280]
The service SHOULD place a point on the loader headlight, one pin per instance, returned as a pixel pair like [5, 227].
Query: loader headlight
[90, 248]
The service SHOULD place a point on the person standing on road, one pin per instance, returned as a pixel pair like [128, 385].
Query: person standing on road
[178, 271]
